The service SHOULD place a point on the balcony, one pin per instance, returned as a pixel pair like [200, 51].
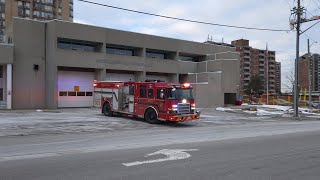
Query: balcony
[246, 78]
[246, 62]
[246, 50]
[246, 67]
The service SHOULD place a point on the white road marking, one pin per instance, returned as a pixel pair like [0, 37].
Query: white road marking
[172, 154]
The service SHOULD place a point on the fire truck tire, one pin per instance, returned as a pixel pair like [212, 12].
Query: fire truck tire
[151, 116]
[107, 110]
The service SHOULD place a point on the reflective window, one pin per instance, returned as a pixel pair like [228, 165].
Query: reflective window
[77, 45]
[81, 93]
[186, 58]
[63, 93]
[179, 94]
[160, 94]
[143, 91]
[73, 93]
[119, 51]
[2, 7]
[155, 55]
[150, 93]
[89, 93]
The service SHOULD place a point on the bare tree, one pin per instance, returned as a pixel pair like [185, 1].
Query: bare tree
[289, 78]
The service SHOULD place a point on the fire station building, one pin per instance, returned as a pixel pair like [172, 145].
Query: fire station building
[53, 64]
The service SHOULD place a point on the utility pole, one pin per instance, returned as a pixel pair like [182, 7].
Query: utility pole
[299, 11]
[310, 73]
[267, 62]
[296, 69]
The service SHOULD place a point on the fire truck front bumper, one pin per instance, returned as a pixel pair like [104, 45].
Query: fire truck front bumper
[185, 117]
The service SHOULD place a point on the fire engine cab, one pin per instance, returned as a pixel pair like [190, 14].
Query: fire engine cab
[154, 101]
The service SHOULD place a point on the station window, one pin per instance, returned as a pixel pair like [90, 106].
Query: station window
[88, 93]
[119, 51]
[63, 93]
[156, 55]
[186, 58]
[81, 93]
[73, 93]
[78, 45]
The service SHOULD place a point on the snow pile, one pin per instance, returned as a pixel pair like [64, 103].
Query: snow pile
[261, 112]
[224, 109]
[281, 108]
[267, 113]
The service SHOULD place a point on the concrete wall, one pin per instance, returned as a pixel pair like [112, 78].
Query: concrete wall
[6, 54]
[35, 43]
[208, 89]
[29, 50]
[221, 72]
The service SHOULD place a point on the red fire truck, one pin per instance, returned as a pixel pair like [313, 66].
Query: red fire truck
[153, 101]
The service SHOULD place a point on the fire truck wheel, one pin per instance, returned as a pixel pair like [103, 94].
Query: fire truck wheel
[107, 110]
[151, 117]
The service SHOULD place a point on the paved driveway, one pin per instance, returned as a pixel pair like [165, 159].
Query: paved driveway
[91, 120]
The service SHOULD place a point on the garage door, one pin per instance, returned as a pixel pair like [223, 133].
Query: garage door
[120, 77]
[75, 89]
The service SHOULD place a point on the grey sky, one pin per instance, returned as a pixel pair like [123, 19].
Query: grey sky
[255, 13]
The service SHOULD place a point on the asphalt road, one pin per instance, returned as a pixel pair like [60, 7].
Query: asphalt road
[273, 151]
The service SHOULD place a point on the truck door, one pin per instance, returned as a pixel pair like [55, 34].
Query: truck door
[160, 100]
[140, 98]
[131, 98]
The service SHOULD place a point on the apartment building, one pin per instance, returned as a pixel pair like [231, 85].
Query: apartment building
[312, 74]
[258, 62]
[42, 69]
[33, 9]
[278, 77]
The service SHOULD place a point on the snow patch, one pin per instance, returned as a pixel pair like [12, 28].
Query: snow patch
[224, 109]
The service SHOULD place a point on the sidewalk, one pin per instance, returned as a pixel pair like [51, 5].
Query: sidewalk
[271, 110]
[30, 122]
[89, 120]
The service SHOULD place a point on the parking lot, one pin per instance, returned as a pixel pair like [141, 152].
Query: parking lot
[81, 120]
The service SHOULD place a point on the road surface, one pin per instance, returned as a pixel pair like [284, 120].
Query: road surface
[265, 151]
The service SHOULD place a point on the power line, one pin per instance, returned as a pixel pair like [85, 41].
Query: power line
[316, 4]
[314, 41]
[186, 20]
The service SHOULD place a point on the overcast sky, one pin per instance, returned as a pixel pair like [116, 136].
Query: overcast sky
[254, 13]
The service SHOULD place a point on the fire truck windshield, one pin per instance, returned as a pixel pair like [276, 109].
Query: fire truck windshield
[178, 93]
